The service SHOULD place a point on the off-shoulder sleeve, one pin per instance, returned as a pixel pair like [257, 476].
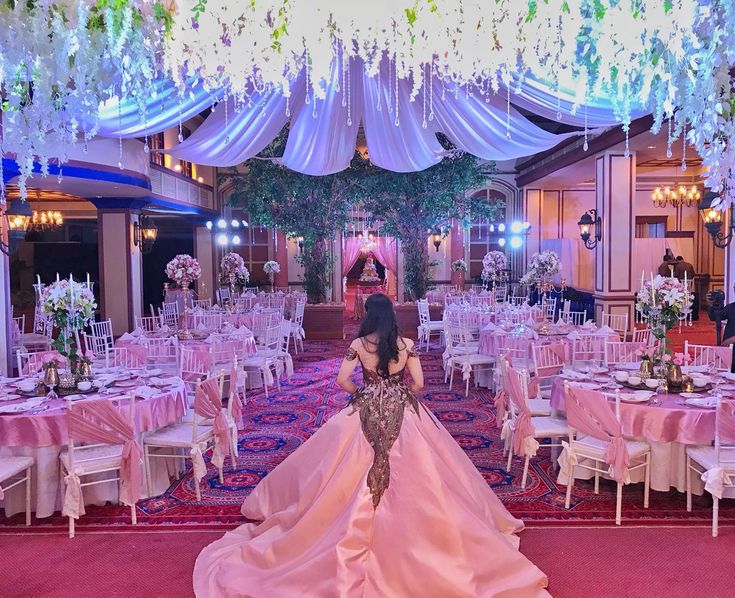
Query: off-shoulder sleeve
[412, 352]
[351, 354]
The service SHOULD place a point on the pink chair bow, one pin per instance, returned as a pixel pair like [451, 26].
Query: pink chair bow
[236, 397]
[524, 442]
[101, 421]
[590, 413]
[208, 404]
[36, 360]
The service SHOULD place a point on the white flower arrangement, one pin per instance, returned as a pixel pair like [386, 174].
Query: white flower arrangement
[542, 267]
[72, 306]
[271, 267]
[665, 295]
[183, 270]
[459, 266]
[493, 264]
[233, 270]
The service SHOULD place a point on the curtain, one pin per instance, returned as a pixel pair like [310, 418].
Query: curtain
[350, 253]
[385, 251]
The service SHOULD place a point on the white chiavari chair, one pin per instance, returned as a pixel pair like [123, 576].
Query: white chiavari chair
[261, 321]
[517, 301]
[589, 413]
[427, 326]
[170, 314]
[32, 363]
[619, 352]
[516, 385]
[193, 437]
[124, 357]
[193, 366]
[265, 358]
[18, 329]
[548, 362]
[463, 354]
[162, 353]
[150, 324]
[103, 329]
[548, 307]
[206, 320]
[618, 322]
[297, 324]
[86, 420]
[715, 464]
[450, 300]
[42, 322]
[501, 293]
[713, 356]
[574, 318]
[15, 471]
[97, 344]
[588, 348]
[223, 295]
[202, 304]
[244, 304]
[642, 335]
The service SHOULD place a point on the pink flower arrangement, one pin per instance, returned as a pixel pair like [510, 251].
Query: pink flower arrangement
[682, 358]
[183, 270]
[493, 264]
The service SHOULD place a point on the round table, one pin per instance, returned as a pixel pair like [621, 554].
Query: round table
[668, 427]
[43, 435]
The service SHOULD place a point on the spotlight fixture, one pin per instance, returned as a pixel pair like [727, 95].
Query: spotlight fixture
[226, 231]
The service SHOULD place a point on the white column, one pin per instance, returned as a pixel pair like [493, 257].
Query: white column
[205, 255]
[615, 283]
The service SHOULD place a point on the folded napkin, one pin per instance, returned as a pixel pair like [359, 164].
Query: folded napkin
[138, 332]
[589, 324]
[201, 327]
[574, 375]
[145, 392]
[605, 330]
[574, 335]
[530, 322]
[129, 337]
[242, 331]
[492, 327]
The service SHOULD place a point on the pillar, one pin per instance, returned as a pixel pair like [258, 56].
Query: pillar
[456, 252]
[206, 255]
[615, 283]
[9, 171]
[337, 290]
[280, 254]
[121, 263]
[532, 210]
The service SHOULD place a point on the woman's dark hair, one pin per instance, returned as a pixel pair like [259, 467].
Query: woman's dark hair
[380, 320]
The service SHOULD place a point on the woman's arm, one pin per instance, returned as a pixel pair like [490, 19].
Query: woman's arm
[344, 376]
[414, 368]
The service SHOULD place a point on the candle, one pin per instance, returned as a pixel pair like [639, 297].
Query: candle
[57, 277]
[641, 279]
[88, 285]
[38, 281]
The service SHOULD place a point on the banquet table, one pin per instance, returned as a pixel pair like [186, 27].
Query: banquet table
[232, 319]
[42, 433]
[669, 427]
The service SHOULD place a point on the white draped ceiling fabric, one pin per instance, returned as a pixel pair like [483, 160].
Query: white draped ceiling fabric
[400, 134]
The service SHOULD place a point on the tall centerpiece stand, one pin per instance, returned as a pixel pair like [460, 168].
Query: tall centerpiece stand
[184, 270]
[542, 267]
[660, 303]
[271, 268]
[233, 273]
[494, 269]
[71, 305]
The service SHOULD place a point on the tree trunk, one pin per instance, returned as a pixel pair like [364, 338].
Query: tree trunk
[316, 270]
[416, 265]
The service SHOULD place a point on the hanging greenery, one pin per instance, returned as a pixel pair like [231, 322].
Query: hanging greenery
[311, 207]
[412, 205]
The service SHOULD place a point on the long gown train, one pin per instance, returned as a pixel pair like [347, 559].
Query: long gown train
[437, 530]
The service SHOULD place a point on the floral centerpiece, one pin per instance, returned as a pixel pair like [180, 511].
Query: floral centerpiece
[183, 270]
[233, 270]
[542, 267]
[661, 302]
[494, 264]
[459, 266]
[71, 305]
[271, 268]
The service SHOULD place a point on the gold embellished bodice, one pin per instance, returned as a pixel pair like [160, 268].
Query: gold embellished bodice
[381, 402]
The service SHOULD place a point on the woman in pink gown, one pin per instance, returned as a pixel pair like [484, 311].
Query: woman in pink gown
[380, 501]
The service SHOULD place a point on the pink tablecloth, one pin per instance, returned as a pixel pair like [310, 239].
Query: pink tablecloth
[48, 427]
[201, 348]
[488, 346]
[667, 422]
[235, 319]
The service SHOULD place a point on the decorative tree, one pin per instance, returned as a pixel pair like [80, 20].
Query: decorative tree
[410, 205]
[311, 207]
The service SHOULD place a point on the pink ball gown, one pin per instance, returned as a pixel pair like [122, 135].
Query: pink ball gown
[380, 502]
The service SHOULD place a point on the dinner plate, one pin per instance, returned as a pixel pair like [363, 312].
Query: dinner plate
[153, 372]
[126, 383]
[703, 403]
[587, 385]
[9, 397]
[692, 395]
[628, 366]
[21, 407]
[639, 396]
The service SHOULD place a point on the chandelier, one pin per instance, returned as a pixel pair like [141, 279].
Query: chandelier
[367, 243]
[683, 195]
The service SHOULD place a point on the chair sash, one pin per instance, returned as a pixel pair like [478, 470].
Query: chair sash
[101, 421]
[35, 361]
[208, 404]
[236, 388]
[523, 431]
[590, 413]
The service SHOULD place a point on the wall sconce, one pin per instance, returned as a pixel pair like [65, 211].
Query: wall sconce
[300, 243]
[437, 238]
[15, 220]
[590, 228]
[145, 232]
[712, 218]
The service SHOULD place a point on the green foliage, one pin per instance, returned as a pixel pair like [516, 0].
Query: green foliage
[409, 205]
[312, 207]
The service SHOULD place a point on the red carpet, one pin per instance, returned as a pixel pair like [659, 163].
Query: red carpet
[609, 562]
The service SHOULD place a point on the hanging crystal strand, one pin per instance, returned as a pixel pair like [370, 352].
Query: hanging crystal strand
[349, 95]
[337, 62]
[670, 139]
[444, 90]
[431, 90]
[60, 176]
[181, 134]
[626, 128]
[288, 106]
[345, 67]
[306, 97]
[146, 147]
[507, 110]
[313, 100]
[684, 146]
[227, 119]
[586, 145]
[397, 122]
[424, 124]
[558, 61]
[119, 132]
[390, 85]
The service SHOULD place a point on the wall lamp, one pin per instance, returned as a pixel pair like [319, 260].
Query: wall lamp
[590, 228]
[712, 217]
[145, 233]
